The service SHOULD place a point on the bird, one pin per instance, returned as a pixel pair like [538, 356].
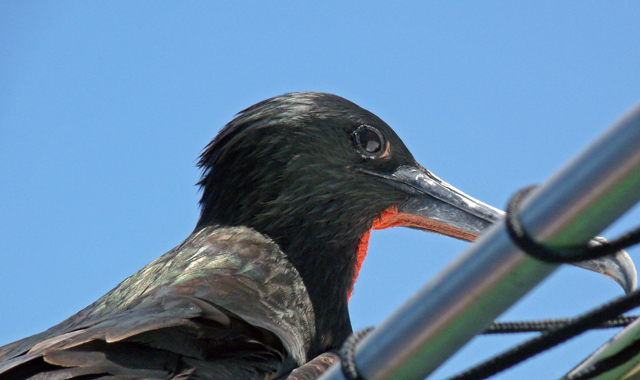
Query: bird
[291, 189]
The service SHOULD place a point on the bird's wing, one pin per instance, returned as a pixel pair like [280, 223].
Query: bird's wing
[224, 304]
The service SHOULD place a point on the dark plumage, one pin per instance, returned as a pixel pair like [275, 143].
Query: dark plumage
[290, 190]
[261, 285]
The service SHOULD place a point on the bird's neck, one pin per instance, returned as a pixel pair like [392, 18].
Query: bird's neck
[327, 266]
[314, 223]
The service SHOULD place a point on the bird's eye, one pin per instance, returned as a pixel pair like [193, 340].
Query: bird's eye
[369, 140]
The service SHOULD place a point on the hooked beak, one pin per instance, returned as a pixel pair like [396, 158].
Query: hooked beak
[436, 206]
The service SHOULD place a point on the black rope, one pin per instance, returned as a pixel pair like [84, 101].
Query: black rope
[606, 364]
[573, 328]
[552, 338]
[555, 332]
[559, 255]
[544, 325]
[347, 354]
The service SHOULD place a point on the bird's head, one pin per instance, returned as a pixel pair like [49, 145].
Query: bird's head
[315, 173]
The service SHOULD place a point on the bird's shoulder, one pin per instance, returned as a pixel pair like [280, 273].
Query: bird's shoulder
[224, 293]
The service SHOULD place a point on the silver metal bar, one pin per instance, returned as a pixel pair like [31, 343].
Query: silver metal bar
[577, 203]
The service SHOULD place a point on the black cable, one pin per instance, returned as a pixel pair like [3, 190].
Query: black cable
[555, 331]
[544, 325]
[607, 364]
[579, 325]
[562, 255]
[552, 338]
[347, 354]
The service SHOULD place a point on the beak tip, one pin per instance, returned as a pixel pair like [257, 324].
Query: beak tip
[618, 267]
[626, 277]
[631, 280]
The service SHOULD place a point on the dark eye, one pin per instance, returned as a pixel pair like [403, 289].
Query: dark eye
[369, 140]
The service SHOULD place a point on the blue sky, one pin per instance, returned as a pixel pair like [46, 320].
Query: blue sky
[105, 107]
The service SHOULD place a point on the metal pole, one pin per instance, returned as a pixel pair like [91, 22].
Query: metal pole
[577, 203]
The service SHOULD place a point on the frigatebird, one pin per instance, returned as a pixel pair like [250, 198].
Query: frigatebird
[291, 189]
